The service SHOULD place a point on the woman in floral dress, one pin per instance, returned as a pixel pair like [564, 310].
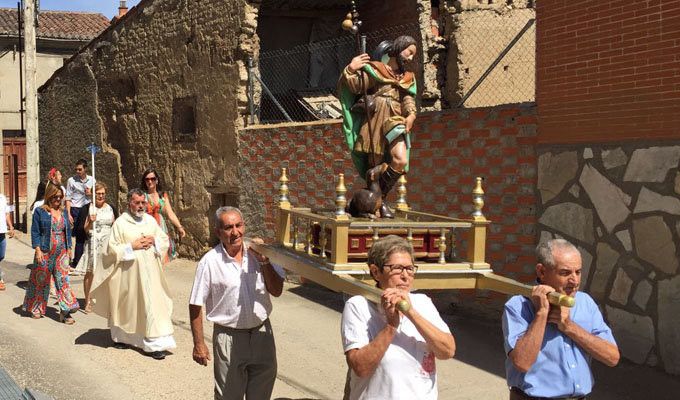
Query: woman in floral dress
[51, 239]
[158, 206]
[103, 214]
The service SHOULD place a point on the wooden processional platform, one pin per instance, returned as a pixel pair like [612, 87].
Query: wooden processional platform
[330, 247]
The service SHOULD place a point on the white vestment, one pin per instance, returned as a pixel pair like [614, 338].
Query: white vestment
[130, 288]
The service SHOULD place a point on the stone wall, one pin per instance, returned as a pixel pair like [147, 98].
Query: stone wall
[449, 150]
[164, 87]
[620, 203]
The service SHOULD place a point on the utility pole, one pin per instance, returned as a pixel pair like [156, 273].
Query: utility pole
[32, 142]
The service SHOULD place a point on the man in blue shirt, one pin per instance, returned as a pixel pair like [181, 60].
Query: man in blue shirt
[549, 347]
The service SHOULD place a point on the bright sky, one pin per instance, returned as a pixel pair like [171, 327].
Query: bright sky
[107, 7]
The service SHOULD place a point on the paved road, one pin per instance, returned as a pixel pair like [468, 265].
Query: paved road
[78, 362]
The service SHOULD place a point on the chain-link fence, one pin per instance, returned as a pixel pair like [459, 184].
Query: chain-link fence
[490, 61]
[298, 84]
[495, 60]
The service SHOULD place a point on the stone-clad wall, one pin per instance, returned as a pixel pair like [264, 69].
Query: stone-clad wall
[620, 203]
[449, 150]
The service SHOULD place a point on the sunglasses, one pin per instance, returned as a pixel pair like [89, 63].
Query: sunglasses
[150, 179]
[56, 198]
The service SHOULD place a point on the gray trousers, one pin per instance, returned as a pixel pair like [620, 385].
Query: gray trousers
[245, 362]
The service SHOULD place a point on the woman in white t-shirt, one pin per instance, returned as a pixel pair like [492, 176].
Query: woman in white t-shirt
[392, 353]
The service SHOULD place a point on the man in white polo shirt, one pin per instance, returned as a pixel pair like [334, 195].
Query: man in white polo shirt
[6, 229]
[78, 194]
[233, 283]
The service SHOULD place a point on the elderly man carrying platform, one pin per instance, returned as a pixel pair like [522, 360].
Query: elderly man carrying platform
[549, 347]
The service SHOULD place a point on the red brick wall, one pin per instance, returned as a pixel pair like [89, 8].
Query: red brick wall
[449, 150]
[607, 70]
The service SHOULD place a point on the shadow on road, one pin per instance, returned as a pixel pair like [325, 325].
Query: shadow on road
[320, 295]
[96, 337]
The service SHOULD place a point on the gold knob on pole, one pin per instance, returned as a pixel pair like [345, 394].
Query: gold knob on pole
[283, 187]
[403, 306]
[478, 199]
[340, 199]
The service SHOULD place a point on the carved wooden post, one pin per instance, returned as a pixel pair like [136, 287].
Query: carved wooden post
[283, 223]
[477, 240]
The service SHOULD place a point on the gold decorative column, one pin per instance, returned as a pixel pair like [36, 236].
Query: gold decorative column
[283, 218]
[340, 230]
[401, 194]
[477, 240]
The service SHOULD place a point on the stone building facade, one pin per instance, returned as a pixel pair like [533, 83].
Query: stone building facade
[163, 87]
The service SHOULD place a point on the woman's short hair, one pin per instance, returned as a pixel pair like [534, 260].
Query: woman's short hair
[51, 191]
[100, 185]
[384, 247]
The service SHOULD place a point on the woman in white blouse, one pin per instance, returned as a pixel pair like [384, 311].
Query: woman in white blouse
[101, 218]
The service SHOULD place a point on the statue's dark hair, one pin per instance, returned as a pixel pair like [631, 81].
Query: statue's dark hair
[400, 44]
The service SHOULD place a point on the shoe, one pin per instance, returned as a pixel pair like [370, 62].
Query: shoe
[120, 346]
[66, 318]
[2, 285]
[88, 308]
[156, 355]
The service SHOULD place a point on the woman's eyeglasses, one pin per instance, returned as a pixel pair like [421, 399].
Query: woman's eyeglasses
[398, 269]
[151, 179]
[56, 198]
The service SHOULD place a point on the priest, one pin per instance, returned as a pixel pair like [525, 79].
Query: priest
[130, 288]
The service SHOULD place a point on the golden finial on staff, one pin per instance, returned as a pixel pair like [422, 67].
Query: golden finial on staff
[283, 188]
[340, 199]
[478, 200]
[351, 22]
[401, 193]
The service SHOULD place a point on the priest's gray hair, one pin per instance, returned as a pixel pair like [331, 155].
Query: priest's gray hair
[135, 191]
[223, 210]
[545, 252]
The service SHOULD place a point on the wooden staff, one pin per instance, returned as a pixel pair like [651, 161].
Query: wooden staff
[505, 285]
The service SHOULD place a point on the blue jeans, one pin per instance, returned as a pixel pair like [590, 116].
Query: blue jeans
[3, 247]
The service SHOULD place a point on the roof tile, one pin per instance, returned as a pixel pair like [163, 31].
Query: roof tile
[57, 24]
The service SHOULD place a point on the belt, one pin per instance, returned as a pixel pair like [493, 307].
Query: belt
[517, 394]
[243, 330]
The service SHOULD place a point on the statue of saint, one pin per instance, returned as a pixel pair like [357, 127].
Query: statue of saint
[379, 137]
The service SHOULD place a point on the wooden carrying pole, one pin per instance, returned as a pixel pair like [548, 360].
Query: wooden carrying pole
[323, 276]
[509, 286]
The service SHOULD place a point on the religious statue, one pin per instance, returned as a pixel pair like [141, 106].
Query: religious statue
[379, 108]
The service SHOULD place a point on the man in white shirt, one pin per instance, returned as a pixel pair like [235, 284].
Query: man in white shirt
[233, 283]
[78, 194]
[6, 229]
